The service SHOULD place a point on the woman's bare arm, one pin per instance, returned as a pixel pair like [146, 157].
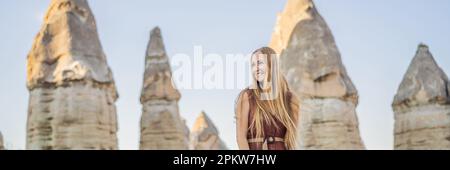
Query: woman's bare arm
[242, 111]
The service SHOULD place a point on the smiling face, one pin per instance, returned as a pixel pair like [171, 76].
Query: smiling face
[259, 67]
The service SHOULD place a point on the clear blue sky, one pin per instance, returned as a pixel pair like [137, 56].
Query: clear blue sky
[377, 40]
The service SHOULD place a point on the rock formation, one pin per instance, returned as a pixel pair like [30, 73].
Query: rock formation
[187, 131]
[422, 105]
[205, 136]
[294, 12]
[313, 67]
[161, 124]
[72, 91]
[2, 147]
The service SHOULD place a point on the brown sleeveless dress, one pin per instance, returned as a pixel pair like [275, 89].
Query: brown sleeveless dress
[270, 131]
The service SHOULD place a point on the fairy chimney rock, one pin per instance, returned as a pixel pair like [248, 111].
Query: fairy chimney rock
[313, 67]
[162, 127]
[422, 105]
[204, 135]
[158, 75]
[72, 90]
[294, 12]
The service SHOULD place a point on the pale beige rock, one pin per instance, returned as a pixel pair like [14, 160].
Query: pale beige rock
[422, 105]
[2, 147]
[205, 136]
[158, 83]
[312, 65]
[67, 48]
[161, 124]
[294, 12]
[72, 91]
[187, 132]
[328, 123]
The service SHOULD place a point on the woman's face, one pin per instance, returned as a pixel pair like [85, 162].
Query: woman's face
[259, 67]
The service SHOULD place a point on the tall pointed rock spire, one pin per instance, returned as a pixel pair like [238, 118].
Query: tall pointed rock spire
[161, 124]
[204, 135]
[158, 75]
[294, 12]
[422, 105]
[424, 81]
[67, 48]
[156, 48]
[312, 65]
[72, 91]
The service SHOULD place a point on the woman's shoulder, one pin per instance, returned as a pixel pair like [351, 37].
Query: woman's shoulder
[246, 90]
[243, 99]
[245, 93]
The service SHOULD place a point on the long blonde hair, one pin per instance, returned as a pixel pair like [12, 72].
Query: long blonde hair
[275, 107]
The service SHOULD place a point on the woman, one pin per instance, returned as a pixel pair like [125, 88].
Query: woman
[266, 112]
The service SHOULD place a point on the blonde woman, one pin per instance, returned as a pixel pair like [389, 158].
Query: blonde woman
[267, 111]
